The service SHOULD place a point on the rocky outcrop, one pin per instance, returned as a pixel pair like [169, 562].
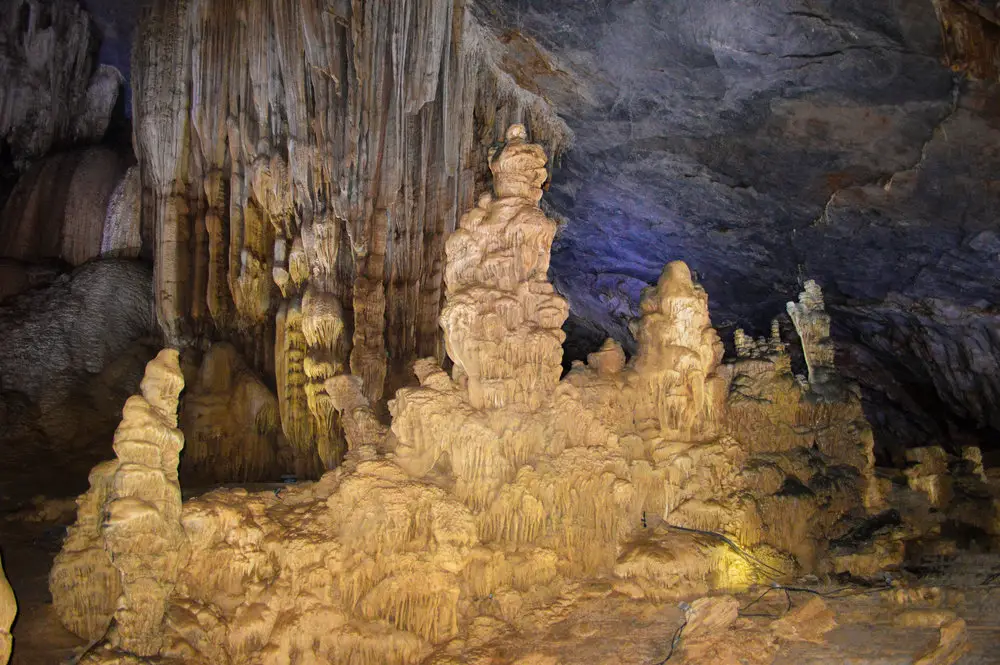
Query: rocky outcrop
[59, 209]
[124, 235]
[54, 92]
[8, 610]
[343, 205]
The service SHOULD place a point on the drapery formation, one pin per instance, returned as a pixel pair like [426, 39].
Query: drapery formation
[303, 163]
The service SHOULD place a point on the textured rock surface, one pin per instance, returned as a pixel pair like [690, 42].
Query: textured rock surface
[769, 143]
[328, 154]
[230, 421]
[59, 206]
[121, 558]
[498, 491]
[73, 352]
[54, 92]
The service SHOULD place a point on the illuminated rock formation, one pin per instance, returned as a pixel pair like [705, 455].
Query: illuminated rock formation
[117, 567]
[84, 583]
[498, 488]
[8, 610]
[812, 323]
[142, 531]
[230, 422]
[344, 205]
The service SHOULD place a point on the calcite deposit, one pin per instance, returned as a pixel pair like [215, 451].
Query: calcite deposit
[303, 165]
[8, 609]
[497, 490]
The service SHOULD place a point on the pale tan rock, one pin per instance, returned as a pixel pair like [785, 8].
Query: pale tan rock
[809, 622]
[84, 583]
[230, 420]
[8, 610]
[952, 645]
[813, 326]
[142, 531]
[500, 497]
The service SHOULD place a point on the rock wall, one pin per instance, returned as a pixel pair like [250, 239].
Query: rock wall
[54, 92]
[60, 209]
[498, 489]
[315, 153]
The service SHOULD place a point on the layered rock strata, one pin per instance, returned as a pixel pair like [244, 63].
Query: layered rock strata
[499, 488]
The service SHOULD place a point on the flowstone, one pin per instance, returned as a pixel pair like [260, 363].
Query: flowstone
[499, 490]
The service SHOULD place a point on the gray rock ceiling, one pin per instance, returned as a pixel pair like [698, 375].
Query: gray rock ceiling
[766, 143]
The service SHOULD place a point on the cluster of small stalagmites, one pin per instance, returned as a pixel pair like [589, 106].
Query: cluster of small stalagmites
[8, 610]
[762, 347]
[503, 319]
[679, 352]
[116, 571]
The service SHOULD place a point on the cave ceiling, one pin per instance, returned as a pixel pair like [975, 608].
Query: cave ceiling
[770, 143]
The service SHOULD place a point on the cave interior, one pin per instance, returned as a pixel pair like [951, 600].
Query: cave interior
[528, 332]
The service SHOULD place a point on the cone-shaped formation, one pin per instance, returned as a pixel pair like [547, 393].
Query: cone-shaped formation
[8, 610]
[503, 320]
[121, 558]
[499, 488]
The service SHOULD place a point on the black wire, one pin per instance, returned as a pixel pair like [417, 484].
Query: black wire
[736, 548]
[674, 642]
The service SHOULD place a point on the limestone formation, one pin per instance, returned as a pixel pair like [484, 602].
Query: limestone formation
[8, 610]
[124, 235]
[84, 582]
[142, 530]
[54, 93]
[230, 422]
[345, 204]
[812, 323]
[117, 567]
[498, 490]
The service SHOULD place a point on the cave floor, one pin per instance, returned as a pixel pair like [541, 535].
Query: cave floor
[595, 625]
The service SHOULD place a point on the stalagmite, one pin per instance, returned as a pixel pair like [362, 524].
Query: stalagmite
[84, 583]
[8, 610]
[812, 323]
